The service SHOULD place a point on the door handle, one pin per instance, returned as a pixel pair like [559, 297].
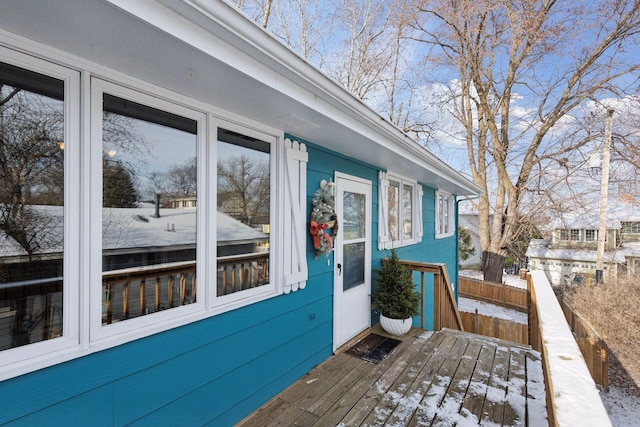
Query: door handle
[339, 269]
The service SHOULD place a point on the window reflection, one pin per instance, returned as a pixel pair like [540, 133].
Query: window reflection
[394, 215]
[149, 182]
[243, 217]
[31, 206]
[407, 212]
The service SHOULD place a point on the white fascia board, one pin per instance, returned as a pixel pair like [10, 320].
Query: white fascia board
[225, 33]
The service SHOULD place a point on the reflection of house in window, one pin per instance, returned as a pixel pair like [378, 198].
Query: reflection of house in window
[183, 203]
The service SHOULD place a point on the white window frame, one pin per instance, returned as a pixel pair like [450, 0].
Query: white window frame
[447, 198]
[247, 296]
[151, 321]
[33, 356]
[593, 238]
[384, 236]
[83, 332]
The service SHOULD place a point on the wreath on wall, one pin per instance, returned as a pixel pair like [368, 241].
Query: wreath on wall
[323, 224]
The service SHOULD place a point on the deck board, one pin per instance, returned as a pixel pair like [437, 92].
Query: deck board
[431, 378]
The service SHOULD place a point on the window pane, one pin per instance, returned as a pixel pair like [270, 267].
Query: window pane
[354, 216]
[31, 206]
[149, 182]
[354, 264]
[407, 212]
[243, 219]
[393, 200]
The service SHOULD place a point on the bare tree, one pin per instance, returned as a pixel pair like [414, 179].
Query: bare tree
[31, 128]
[557, 54]
[243, 187]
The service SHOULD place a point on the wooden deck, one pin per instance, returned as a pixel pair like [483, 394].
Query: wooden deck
[432, 378]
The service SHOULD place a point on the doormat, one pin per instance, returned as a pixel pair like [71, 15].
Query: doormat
[373, 348]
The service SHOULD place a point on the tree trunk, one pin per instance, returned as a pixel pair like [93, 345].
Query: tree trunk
[492, 265]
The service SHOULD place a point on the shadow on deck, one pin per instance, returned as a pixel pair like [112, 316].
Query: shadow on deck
[431, 378]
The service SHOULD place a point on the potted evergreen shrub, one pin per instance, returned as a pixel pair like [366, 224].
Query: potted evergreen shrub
[395, 298]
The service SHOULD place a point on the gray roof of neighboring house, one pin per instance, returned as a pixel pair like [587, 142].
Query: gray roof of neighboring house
[538, 248]
[135, 227]
[589, 217]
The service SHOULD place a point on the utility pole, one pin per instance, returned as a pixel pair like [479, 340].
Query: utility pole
[604, 196]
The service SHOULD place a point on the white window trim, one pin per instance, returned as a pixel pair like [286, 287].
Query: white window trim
[450, 201]
[97, 329]
[81, 238]
[384, 239]
[21, 359]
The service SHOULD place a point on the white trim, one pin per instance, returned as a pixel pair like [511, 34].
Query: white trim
[384, 236]
[15, 360]
[449, 199]
[99, 331]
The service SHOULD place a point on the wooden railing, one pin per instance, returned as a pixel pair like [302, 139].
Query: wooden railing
[137, 291]
[31, 311]
[494, 293]
[572, 394]
[445, 310]
[593, 348]
[239, 272]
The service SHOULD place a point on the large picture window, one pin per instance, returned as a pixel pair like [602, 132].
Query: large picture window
[149, 190]
[32, 139]
[147, 213]
[400, 210]
[39, 154]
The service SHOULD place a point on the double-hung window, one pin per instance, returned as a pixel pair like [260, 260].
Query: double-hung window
[444, 215]
[400, 211]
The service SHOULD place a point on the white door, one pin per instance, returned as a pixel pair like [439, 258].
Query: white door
[352, 266]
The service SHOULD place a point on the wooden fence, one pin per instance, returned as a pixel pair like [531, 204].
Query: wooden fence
[494, 327]
[494, 293]
[561, 367]
[593, 348]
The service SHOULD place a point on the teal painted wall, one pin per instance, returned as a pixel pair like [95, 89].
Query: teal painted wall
[218, 370]
[323, 164]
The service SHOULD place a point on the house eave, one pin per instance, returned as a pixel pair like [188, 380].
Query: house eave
[210, 52]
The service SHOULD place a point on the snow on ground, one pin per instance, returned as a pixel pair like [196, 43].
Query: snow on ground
[469, 305]
[508, 279]
[623, 408]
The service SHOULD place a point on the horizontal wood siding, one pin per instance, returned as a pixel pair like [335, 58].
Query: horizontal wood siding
[494, 293]
[217, 370]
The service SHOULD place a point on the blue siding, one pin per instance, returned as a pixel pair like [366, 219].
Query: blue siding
[218, 370]
[323, 164]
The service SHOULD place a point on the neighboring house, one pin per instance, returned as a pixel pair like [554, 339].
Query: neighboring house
[145, 86]
[572, 248]
[470, 222]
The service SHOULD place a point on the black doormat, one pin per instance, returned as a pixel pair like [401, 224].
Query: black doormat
[373, 348]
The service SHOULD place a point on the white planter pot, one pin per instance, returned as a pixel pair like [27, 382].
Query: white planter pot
[395, 326]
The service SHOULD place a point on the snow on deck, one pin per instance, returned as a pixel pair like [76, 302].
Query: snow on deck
[432, 378]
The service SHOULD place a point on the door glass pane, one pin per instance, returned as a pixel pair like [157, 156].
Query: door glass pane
[407, 211]
[354, 263]
[149, 182]
[31, 206]
[353, 216]
[243, 217]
